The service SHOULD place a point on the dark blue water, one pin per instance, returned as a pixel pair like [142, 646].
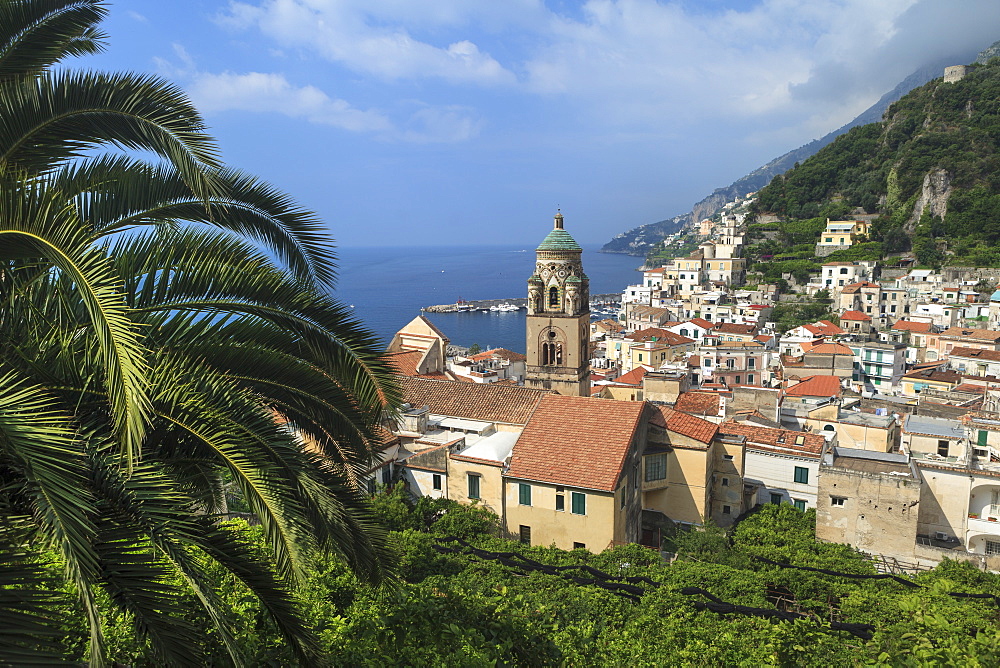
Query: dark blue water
[388, 286]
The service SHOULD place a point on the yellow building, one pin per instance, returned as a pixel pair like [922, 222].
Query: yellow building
[573, 479]
[843, 233]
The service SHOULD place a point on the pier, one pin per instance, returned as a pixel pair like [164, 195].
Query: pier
[521, 302]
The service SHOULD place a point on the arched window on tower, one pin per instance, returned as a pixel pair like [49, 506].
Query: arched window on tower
[553, 297]
[559, 354]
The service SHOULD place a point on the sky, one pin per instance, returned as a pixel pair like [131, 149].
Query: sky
[448, 122]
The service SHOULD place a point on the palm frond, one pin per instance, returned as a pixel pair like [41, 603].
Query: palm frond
[36, 35]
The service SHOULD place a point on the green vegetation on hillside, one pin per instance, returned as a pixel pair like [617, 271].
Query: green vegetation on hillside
[881, 167]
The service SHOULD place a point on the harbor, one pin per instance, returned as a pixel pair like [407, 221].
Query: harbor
[600, 303]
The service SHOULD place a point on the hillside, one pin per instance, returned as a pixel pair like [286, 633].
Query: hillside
[931, 168]
[639, 240]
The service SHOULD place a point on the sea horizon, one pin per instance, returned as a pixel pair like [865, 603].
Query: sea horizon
[388, 285]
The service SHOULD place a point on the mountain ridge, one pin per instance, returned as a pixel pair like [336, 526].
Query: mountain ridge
[640, 240]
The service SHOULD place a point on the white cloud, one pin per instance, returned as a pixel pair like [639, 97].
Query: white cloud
[353, 35]
[258, 92]
[442, 125]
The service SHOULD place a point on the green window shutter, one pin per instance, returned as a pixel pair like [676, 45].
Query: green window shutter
[801, 474]
[775, 499]
[799, 504]
[524, 494]
[473, 486]
[579, 506]
[983, 435]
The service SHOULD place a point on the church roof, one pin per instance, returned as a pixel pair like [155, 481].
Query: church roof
[559, 240]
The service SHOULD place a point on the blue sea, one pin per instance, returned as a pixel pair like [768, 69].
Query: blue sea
[388, 287]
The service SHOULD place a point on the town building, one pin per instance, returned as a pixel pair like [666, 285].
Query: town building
[558, 320]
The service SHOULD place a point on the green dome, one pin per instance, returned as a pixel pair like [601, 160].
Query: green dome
[559, 240]
[574, 279]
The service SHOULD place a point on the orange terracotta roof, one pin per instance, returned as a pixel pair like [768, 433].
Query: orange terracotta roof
[911, 326]
[828, 328]
[499, 353]
[405, 363]
[490, 402]
[633, 377]
[776, 439]
[576, 442]
[701, 322]
[816, 386]
[830, 349]
[856, 287]
[702, 403]
[854, 315]
[691, 426]
[647, 334]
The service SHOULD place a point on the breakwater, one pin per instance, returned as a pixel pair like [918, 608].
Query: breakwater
[613, 299]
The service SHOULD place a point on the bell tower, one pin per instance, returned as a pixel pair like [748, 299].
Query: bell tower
[558, 322]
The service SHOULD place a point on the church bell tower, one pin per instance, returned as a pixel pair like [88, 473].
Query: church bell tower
[558, 323]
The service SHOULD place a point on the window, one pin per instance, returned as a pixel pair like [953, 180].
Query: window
[943, 448]
[982, 436]
[725, 482]
[473, 486]
[728, 458]
[524, 534]
[799, 504]
[371, 485]
[801, 474]
[837, 500]
[726, 510]
[436, 481]
[749, 379]
[621, 496]
[656, 467]
[579, 500]
[775, 498]
[640, 357]
[524, 494]
[829, 240]
[553, 297]
[752, 363]
[560, 500]
[843, 270]
[738, 380]
[579, 546]
[386, 475]
[992, 547]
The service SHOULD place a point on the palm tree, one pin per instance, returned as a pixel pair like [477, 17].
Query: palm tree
[165, 330]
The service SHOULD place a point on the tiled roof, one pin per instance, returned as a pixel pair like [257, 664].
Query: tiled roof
[701, 322]
[647, 334]
[856, 287]
[830, 349]
[828, 328]
[491, 402]
[854, 315]
[965, 332]
[816, 386]
[988, 355]
[405, 363]
[702, 403]
[691, 426]
[499, 353]
[633, 377]
[776, 439]
[734, 328]
[559, 240]
[911, 326]
[576, 442]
